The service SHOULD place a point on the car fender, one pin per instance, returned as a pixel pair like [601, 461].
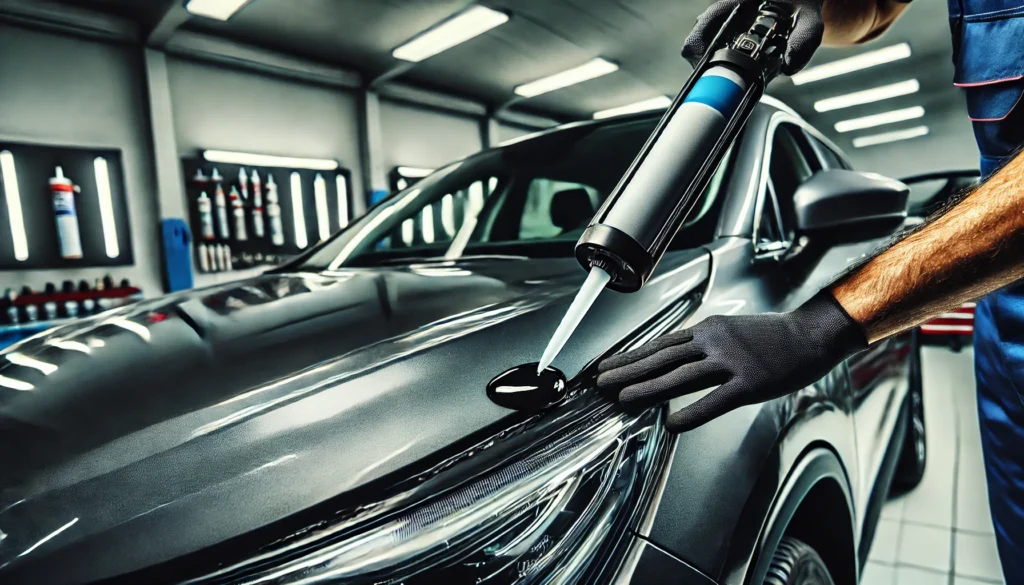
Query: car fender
[819, 464]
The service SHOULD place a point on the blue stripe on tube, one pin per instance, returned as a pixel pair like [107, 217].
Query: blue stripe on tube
[720, 93]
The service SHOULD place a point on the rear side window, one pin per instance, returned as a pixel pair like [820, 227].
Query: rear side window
[792, 163]
[829, 157]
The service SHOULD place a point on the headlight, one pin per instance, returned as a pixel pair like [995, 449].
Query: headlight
[548, 500]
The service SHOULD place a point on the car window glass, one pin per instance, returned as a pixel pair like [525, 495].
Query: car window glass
[829, 157]
[788, 168]
[554, 208]
[537, 197]
[769, 223]
[440, 221]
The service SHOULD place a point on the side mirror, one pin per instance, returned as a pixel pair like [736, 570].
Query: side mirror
[849, 206]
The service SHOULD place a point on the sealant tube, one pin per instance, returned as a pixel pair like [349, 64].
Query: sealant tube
[63, 191]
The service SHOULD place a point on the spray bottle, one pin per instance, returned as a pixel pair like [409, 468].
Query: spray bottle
[63, 191]
[222, 206]
[274, 213]
[239, 212]
[258, 230]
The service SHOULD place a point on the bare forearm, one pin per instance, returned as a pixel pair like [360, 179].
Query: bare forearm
[848, 22]
[974, 248]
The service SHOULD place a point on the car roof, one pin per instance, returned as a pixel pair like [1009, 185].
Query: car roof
[767, 104]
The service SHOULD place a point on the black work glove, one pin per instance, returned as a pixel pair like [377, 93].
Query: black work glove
[803, 41]
[751, 358]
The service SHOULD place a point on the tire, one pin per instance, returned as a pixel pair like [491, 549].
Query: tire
[796, 563]
[914, 454]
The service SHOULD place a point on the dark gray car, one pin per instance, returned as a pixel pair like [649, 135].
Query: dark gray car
[327, 421]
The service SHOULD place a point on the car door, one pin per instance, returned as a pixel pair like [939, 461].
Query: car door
[877, 376]
[872, 378]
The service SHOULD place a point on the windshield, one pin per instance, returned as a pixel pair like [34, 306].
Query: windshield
[532, 198]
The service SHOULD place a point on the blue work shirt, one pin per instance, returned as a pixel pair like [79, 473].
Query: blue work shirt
[988, 51]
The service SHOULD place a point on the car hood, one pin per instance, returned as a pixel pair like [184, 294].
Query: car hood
[155, 430]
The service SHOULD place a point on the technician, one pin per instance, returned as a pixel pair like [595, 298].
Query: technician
[970, 249]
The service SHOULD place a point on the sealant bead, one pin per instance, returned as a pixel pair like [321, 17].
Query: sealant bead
[522, 388]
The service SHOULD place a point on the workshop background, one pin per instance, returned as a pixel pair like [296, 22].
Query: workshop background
[159, 93]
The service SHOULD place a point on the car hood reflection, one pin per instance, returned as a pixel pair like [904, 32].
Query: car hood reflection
[206, 414]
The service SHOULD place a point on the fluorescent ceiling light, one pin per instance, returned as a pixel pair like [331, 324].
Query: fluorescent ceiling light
[69, 345]
[851, 64]
[407, 231]
[873, 139]
[217, 9]
[448, 214]
[458, 29]
[15, 384]
[880, 119]
[427, 229]
[13, 195]
[868, 95]
[658, 103]
[342, 186]
[323, 222]
[589, 70]
[264, 160]
[20, 359]
[127, 325]
[414, 172]
[298, 218]
[106, 207]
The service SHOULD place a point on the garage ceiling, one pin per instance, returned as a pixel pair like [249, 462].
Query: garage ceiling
[547, 36]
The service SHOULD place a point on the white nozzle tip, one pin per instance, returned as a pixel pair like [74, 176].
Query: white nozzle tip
[592, 287]
[60, 173]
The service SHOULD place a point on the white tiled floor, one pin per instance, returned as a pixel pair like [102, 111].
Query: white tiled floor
[941, 533]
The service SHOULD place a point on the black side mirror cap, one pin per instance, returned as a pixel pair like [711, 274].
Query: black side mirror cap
[848, 206]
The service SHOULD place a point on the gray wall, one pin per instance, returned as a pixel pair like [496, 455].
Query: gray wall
[957, 149]
[219, 108]
[70, 91]
[507, 132]
[420, 137]
[67, 91]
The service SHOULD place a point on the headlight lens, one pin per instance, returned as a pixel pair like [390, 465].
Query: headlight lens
[549, 500]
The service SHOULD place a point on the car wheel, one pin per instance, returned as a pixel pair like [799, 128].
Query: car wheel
[910, 468]
[796, 563]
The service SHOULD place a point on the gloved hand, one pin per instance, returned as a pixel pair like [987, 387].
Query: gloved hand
[803, 41]
[751, 358]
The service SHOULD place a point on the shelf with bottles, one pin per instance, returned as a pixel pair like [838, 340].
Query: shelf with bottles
[62, 207]
[25, 311]
[250, 216]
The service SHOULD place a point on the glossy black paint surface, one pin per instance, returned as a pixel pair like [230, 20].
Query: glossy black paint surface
[523, 388]
[175, 425]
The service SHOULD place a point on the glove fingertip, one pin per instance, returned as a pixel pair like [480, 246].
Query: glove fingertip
[686, 419]
[608, 364]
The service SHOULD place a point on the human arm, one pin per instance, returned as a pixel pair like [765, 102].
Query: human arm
[849, 22]
[964, 252]
[972, 248]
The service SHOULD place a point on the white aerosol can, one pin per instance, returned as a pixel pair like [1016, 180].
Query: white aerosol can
[206, 216]
[63, 191]
[274, 213]
[258, 229]
[221, 202]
